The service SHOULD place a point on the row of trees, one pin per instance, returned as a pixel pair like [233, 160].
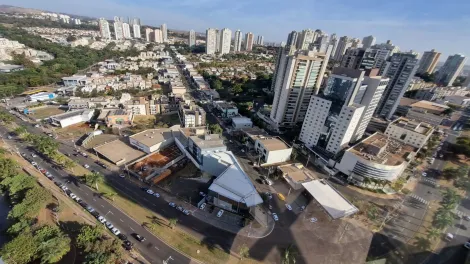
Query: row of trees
[443, 218]
[30, 242]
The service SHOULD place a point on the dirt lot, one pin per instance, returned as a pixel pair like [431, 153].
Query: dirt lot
[73, 132]
[41, 113]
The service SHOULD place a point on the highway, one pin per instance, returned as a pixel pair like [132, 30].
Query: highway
[153, 250]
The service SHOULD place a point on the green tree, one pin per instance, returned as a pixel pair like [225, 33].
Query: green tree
[450, 196]
[422, 243]
[94, 178]
[69, 164]
[433, 233]
[172, 222]
[23, 225]
[237, 88]
[289, 255]
[88, 235]
[21, 131]
[216, 129]
[53, 244]
[20, 250]
[443, 219]
[34, 200]
[217, 85]
[18, 183]
[244, 251]
[111, 195]
[8, 168]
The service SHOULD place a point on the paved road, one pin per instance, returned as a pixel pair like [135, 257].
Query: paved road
[152, 249]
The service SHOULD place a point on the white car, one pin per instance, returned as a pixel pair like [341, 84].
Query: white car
[122, 175]
[33, 155]
[101, 219]
[77, 199]
[203, 205]
[172, 205]
[289, 207]
[276, 218]
[156, 194]
[424, 174]
[149, 191]
[86, 166]
[441, 156]
[269, 182]
[202, 194]
[109, 225]
[64, 188]
[313, 220]
[34, 163]
[73, 196]
[115, 231]
[220, 213]
[186, 212]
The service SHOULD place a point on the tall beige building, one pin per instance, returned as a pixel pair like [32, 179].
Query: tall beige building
[148, 34]
[211, 41]
[225, 41]
[428, 62]
[158, 35]
[298, 76]
[249, 38]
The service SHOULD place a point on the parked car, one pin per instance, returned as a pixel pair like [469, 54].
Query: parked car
[289, 207]
[122, 237]
[156, 194]
[275, 217]
[220, 213]
[109, 225]
[150, 192]
[172, 205]
[466, 217]
[122, 175]
[86, 166]
[186, 212]
[95, 213]
[202, 194]
[449, 237]
[84, 154]
[127, 245]
[179, 208]
[203, 205]
[33, 155]
[90, 209]
[144, 189]
[72, 195]
[116, 231]
[467, 245]
[424, 174]
[101, 219]
[313, 220]
[139, 237]
[34, 163]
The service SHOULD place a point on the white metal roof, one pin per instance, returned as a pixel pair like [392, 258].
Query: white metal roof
[331, 200]
[234, 184]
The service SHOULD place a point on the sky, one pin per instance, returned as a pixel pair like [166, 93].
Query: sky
[411, 24]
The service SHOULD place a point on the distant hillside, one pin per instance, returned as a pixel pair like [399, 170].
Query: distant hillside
[14, 9]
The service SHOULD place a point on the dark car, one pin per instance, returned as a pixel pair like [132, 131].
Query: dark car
[83, 204]
[95, 214]
[139, 237]
[144, 189]
[127, 245]
[122, 236]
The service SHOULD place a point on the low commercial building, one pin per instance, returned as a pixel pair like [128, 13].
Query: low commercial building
[71, 118]
[296, 174]
[428, 112]
[272, 150]
[429, 107]
[152, 140]
[410, 132]
[226, 109]
[240, 122]
[378, 156]
[43, 96]
[118, 117]
[200, 145]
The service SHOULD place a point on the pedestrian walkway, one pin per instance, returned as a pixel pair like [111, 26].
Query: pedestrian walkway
[430, 181]
[459, 213]
[419, 199]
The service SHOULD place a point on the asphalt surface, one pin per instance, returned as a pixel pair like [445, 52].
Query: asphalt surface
[153, 249]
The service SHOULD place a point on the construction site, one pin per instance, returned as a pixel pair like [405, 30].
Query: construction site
[157, 166]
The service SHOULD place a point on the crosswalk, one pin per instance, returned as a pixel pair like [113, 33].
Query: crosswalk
[419, 199]
[430, 181]
[460, 213]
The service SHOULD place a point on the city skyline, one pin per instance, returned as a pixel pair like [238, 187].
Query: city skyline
[404, 26]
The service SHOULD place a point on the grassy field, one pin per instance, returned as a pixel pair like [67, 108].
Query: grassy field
[41, 113]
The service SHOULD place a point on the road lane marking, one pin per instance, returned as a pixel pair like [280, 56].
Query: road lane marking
[131, 228]
[121, 220]
[157, 248]
[94, 199]
[102, 205]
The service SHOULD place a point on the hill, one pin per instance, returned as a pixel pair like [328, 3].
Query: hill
[21, 10]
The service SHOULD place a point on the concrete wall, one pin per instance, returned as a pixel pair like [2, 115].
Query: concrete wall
[277, 156]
